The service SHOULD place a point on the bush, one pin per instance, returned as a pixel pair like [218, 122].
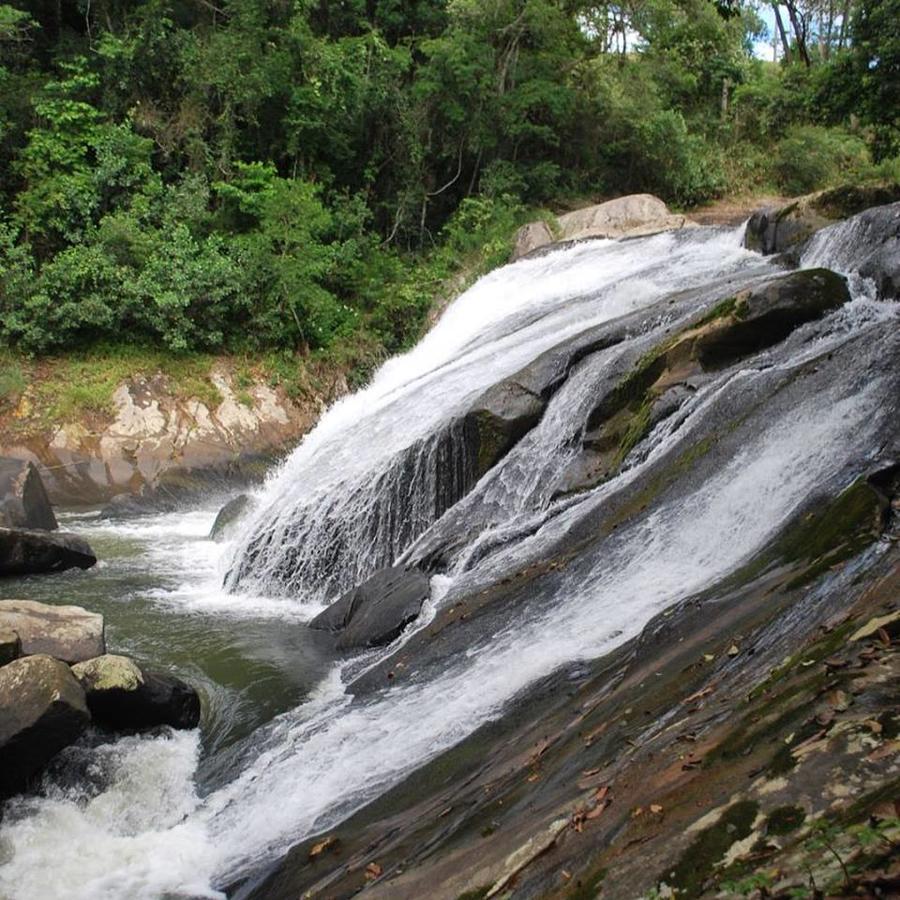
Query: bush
[810, 157]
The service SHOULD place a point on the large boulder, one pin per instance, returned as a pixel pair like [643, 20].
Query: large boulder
[42, 710]
[229, 514]
[764, 315]
[779, 229]
[121, 696]
[877, 250]
[69, 633]
[499, 419]
[35, 552]
[23, 499]
[633, 216]
[376, 612]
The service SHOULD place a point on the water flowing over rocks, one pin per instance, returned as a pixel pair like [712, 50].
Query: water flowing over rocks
[56, 679]
[789, 227]
[627, 519]
[636, 215]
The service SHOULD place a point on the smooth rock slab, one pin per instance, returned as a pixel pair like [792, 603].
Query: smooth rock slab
[121, 696]
[42, 710]
[36, 552]
[69, 633]
[23, 498]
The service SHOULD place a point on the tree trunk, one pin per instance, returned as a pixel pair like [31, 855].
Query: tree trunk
[785, 43]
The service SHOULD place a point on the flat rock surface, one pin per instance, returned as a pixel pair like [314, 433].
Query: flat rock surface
[69, 633]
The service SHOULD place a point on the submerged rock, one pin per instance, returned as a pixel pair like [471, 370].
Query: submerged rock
[37, 552]
[23, 499]
[229, 514]
[121, 696]
[42, 710]
[376, 612]
[69, 633]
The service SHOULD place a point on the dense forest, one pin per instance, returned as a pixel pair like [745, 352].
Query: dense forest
[239, 175]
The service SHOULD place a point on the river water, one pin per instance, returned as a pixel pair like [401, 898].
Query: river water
[284, 751]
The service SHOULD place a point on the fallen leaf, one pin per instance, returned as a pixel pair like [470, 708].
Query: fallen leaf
[655, 808]
[733, 650]
[700, 694]
[320, 847]
[873, 625]
[373, 871]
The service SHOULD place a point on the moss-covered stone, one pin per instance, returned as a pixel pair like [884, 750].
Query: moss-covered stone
[784, 820]
[700, 859]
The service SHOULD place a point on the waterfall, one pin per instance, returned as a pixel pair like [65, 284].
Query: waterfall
[389, 474]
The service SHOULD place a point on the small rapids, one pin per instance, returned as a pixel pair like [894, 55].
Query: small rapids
[385, 477]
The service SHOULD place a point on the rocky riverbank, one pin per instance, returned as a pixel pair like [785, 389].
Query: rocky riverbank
[57, 679]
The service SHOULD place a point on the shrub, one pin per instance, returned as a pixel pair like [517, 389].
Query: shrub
[811, 157]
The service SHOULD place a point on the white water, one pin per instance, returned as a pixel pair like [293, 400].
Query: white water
[148, 833]
[317, 516]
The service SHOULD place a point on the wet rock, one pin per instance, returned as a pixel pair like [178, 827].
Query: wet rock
[23, 499]
[765, 315]
[10, 645]
[877, 237]
[69, 633]
[229, 514]
[42, 710]
[36, 552]
[499, 420]
[376, 612]
[784, 228]
[121, 696]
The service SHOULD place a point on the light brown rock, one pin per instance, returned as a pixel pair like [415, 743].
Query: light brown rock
[69, 633]
[631, 216]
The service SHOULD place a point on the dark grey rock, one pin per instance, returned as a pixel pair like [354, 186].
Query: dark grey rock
[376, 612]
[229, 514]
[122, 696]
[767, 314]
[34, 552]
[42, 710]
[23, 499]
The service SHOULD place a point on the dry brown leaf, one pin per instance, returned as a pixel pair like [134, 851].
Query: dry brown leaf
[320, 847]
[373, 871]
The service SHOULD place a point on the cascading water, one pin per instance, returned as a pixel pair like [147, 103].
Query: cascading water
[385, 476]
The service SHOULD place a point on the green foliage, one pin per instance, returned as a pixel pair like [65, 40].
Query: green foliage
[811, 157]
[305, 178]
